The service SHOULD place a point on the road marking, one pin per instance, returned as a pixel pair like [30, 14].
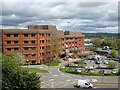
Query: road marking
[51, 79]
[58, 84]
[55, 75]
[68, 80]
[94, 80]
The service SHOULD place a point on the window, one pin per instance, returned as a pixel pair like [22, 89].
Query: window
[26, 55]
[32, 35]
[8, 49]
[8, 35]
[33, 48]
[48, 53]
[43, 53]
[15, 42]
[71, 38]
[25, 41]
[42, 35]
[15, 35]
[48, 34]
[43, 60]
[67, 38]
[25, 48]
[43, 47]
[25, 35]
[48, 41]
[48, 47]
[42, 41]
[8, 42]
[32, 41]
[33, 55]
[62, 39]
[15, 49]
[45, 27]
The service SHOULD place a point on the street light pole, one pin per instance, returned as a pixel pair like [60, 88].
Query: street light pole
[27, 63]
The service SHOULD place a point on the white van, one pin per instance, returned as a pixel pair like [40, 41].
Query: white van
[84, 84]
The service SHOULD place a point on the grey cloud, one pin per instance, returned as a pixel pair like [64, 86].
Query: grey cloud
[103, 14]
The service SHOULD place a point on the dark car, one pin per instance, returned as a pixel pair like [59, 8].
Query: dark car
[117, 59]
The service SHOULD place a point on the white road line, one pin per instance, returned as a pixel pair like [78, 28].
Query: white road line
[51, 79]
[55, 75]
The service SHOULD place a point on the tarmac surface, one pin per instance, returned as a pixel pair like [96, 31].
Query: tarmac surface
[57, 79]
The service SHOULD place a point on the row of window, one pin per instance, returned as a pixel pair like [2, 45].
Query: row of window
[33, 41]
[43, 53]
[70, 38]
[27, 55]
[26, 35]
[27, 48]
[15, 49]
[16, 42]
[43, 47]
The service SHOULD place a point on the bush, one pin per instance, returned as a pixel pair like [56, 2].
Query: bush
[112, 65]
[14, 77]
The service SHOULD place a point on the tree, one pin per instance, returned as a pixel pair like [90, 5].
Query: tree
[112, 65]
[113, 53]
[108, 43]
[15, 77]
[55, 47]
[96, 42]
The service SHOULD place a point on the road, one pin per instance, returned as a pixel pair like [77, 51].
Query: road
[57, 79]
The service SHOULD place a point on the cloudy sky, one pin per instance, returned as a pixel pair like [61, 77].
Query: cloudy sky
[77, 16]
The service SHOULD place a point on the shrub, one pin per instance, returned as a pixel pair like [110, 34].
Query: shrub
[112, 65]
[14, 77]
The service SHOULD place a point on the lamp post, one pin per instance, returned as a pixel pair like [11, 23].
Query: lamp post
[102, 73]
[27, 62]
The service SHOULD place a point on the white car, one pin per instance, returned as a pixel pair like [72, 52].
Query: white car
[106, 62]
[115, 71]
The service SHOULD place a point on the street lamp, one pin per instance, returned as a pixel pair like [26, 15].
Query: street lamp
[27, 62]
[102, 73]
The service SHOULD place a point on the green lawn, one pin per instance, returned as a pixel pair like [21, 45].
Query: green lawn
[53, 63]
[37, 70]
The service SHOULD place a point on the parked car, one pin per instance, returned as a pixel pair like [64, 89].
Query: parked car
[108, 56]
[87, 70]
[106, 62]
[115, 71]
[116, 59]
[84, 84]
[97, 61]
[78, 69]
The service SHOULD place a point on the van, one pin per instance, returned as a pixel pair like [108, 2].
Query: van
[84, 84]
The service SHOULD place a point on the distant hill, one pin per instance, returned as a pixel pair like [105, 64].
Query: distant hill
[100, 34]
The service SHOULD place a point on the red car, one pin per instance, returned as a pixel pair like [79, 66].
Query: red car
[87, 70]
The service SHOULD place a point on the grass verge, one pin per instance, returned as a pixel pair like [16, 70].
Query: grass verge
[35, 70]
[69, 70]
[53, 63]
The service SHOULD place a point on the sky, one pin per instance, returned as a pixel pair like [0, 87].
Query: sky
[87, 17]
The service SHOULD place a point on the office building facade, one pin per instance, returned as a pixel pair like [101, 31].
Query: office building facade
[41, 43]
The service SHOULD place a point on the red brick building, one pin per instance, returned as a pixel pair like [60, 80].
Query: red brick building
[38, 43]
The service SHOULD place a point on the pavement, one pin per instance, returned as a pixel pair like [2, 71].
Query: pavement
[57, 79]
